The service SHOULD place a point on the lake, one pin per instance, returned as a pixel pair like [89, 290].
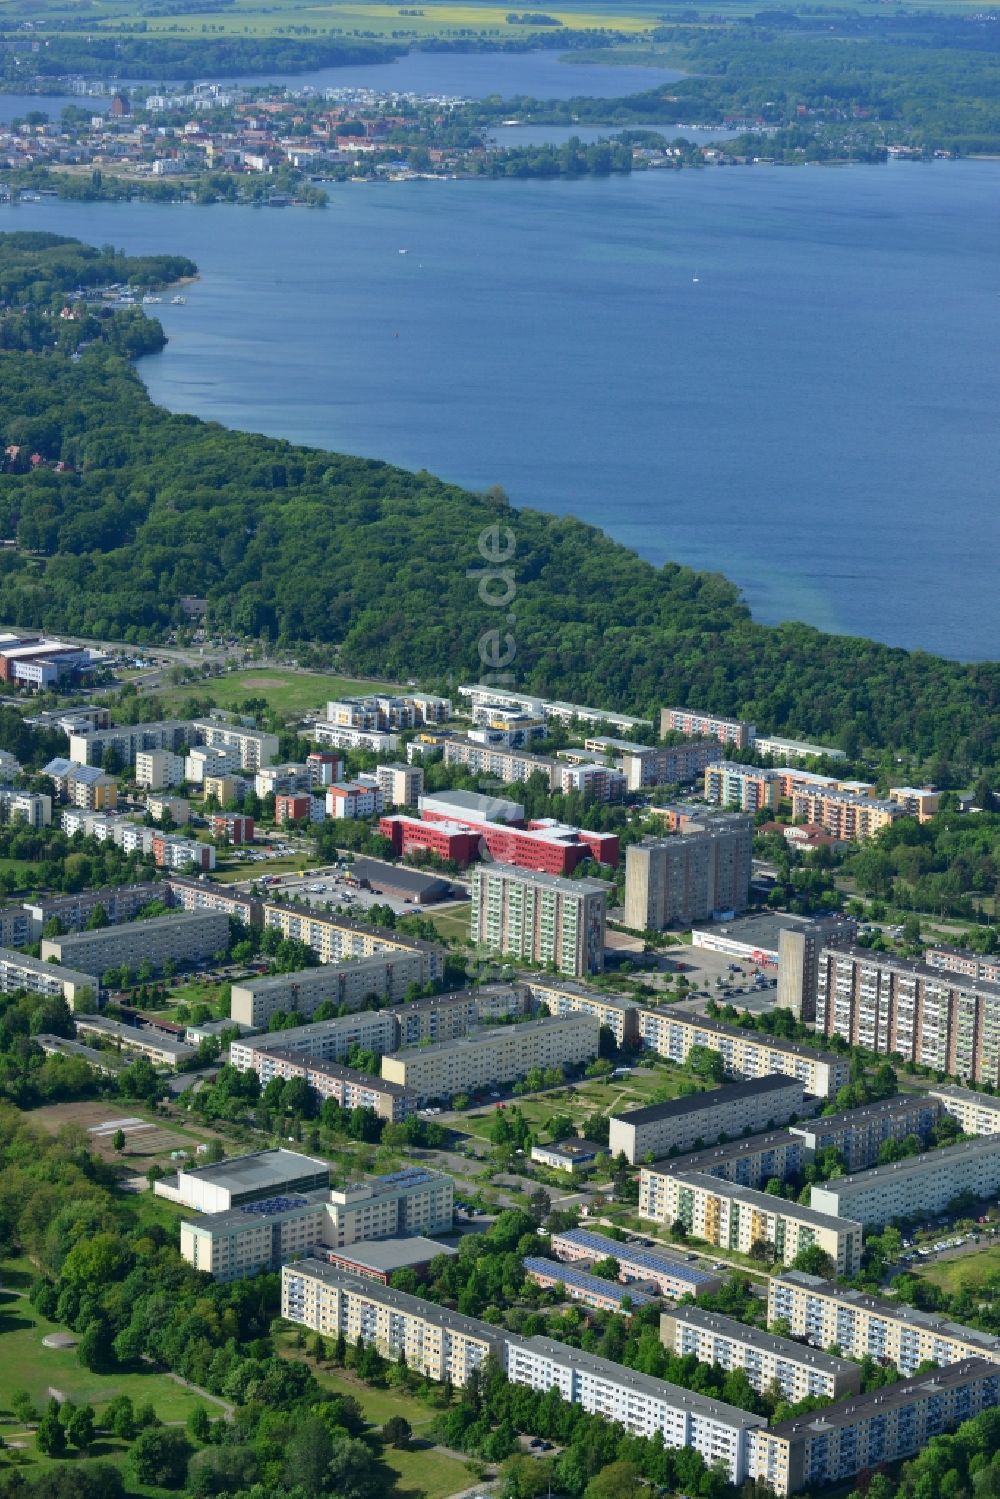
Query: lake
[787, 375]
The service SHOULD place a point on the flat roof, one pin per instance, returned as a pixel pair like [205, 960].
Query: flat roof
[948, 978]
[497, 808]
[126, 1033]
[401, 1301]
[914, 1165]
[570, 1275]
[757, 1038]
[756, 1337]
[966, 1095]
[547, 881]
[334, 1070]
[626, 1378]
[399, 876]
[387, 1255]
[258, 1169]
[895, 1311]
[486, 1034]
[551, 985]
[716, 1155]
[348, 924]
[270, 1209]
[572, 1149]
[14, 959]
[634, 1254]
[766, 1202]
[693, 1103]
[303, 975]
[890, 1397]
[153, 924]
[762, 931]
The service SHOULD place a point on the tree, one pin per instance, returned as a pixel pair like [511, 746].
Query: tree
[118, 1140]
[80, 1428]
[159, 1457]
[307, 1456]
[814, 1261]
[397, 1431]
[51, 1435]
[614, 1481]
[705, 1063]
[23, 1407]
[95, 1349]
[199, 1425]
[120, 1416]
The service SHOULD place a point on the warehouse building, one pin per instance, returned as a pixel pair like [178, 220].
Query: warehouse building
[859, 1134]
[491, 1057]
[862, 1326]
[765, 1359]
[833, 1444]
[735, 1217]
[915, 1187]
[689, 1123]
[672, 1031]
[184, 937]
[670, 1276]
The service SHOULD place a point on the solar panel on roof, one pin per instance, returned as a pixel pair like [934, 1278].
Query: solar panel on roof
[657, 1263]
[270, 1205]
[572, 1277]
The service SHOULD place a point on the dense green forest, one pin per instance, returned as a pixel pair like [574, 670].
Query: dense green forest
[384, 566]
[183, 57]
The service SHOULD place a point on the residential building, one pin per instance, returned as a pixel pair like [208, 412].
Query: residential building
[766, 1360]
[203, 763]
[745, 787]
[31, 807]
[381, 711]
[182, 937]
[925, 1014]
[785, 750]
[595, 782]
[843, 814]
[347, 1086]
[666, 1274]
[976, 1113]
[689, 876]
[540, 918]
[736, 1217]
[455, 842]
[799, 947]
[691, 722]
[17, 928]
[340, 736]
[564, 997]
[10, 766]
[692, 1122]
[18, 971]
[505, 726]
[671, 1031]
[491, 1057]
[750, 1162]
[414, 1200]
[171, 851]
[177, 808]
[334, 938]
[159, 769]
[352, 799]
[400, 785]
[161, 1049]
[506, 765]
[971, 965]
[255, 1177]
[125, 741]
[225, 788]
[346, 984]
[205, 895]
[234, 827]
[861, 1326]
[93, 789]
[254, 747]
[859, 1134]
[481, 694]
[118, 903]
[569, 1155]
[645, 765]
[324, 768]
[915, 1187]
[576, 1285]
[286, 779]
[833, 1444]
[921, 802]
[756, 939]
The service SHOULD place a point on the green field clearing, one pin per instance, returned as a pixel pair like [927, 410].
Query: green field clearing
[580, 1100]
[291, 692]
[240, 873]
[27, 1365]
[454, 923]
[968, 1272]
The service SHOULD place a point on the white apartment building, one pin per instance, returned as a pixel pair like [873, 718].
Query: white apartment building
[353, 799]
[484, 1058]
[347, 983]
[700, 1119]
[914, 1187]
[764, 1358]
[274, 780]
[183, 937]
[874, 1327]
[203, 761]
[506, 765]
[255, 748]
[736, 1217]
[563, 997]
[400, 785]
[541, 918]
[323, 1041]
[792, 750]
[31, 807]
[342, 736]
[335, 938]
[156, 770]
[481, 694]
[977, 1113]
[751, 1162]
[412, 1201]
[128, 740]
[18, 971]
[672, 1031]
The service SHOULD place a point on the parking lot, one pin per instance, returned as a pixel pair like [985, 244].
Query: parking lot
[327, 888]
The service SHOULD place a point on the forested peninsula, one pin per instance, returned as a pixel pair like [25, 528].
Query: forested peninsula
[113, 509]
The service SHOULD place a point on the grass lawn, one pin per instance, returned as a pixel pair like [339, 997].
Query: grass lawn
[290, 692]
[426, 1471]
[28, 1365]
[968, 1272]
[237, 873]
[453, 923]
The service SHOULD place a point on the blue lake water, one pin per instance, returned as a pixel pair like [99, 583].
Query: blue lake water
[786, 375]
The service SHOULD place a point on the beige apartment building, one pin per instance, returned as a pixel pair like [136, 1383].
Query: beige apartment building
[844, 815]
[689, 876]
[833, 1444]
[254, 747]
[563, 997]
[700, 1119]
[928, 1015]
[334, 938]
[735, 1217]
[158, 769]
[765, 1359]
[400, 785]
[672, 1031]
[751, 1162]
[486, 1058]
[18, 971]
[863, 1326]
[348, 983]
[507, 765]
[859, 1134]
[182, 937]
[976, 1113]
[916, 1186]
[540, 918]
